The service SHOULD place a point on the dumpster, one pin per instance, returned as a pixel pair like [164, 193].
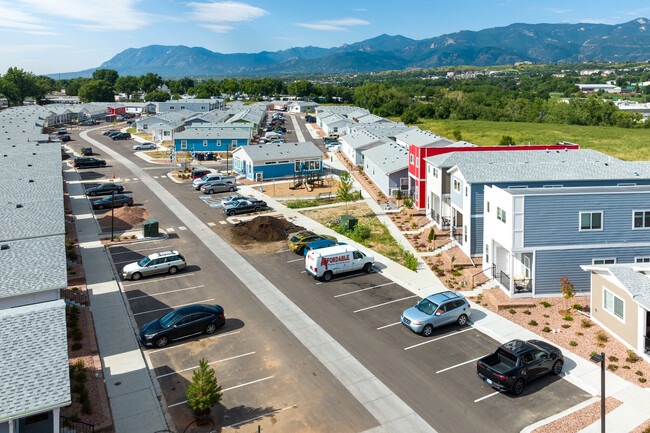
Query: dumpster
[210, 157]
[150, 228]
[349, 222]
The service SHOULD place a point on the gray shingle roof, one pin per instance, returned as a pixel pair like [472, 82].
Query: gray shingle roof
[420, 138]
[212, 133]
[35, 218]
[517, 156]
[389, 157]
[360, 139]
[635, 278]
[272, 152]
[33, 359]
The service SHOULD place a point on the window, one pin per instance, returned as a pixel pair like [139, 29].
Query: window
[527, 266]
[314, 165]
[591, 221]
[145, 126]
[527, 358]
[641, 219]
[465, 191]
[552, 186]
[435, 172]
[202, 107]
[456, 185]
[465, 233]
[642, 260]
[417, 162]
[166, 133]
[218, 143]
[356, 255]
[428, 205]
[487, 253]
[182, 107]
[404, 183]
[488, 207]
[411, 159]
[183, 144]
[603, 261]
[283, 162]
[171, 107]
[205, 143]
[501, 214]
[613, 304]
[269, 162]
[298, 164]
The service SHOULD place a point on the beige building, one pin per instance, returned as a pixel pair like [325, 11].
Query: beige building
[620, 302]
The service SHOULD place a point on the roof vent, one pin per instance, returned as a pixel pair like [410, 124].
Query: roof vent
[18, 206]
[29, 165]
[31, 181]
[4, 247]
[636, 173]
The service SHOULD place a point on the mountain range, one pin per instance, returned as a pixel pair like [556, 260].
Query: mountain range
[541, 43]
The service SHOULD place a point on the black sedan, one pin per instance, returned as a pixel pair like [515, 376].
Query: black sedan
[110, 131]
[181, 323]
[105, 188]
[121, 136]
[117, 200]
[86, 162]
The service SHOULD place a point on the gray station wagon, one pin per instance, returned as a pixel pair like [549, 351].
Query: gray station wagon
[157, 263]
[212, 186]
[436, 310]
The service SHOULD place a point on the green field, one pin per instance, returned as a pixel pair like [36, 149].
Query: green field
[623, 143]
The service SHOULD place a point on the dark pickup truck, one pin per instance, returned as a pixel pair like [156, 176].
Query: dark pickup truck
[244, 206]
[518, 362]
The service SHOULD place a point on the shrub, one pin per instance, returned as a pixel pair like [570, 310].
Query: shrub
[566, 326]
[134, 237]
[440, 273]
[87, 407]
[410, 261]
[627, 367]
[638, 373]
[643, 380]
[361, 232]
[602, 337]
[76, 346]
[579, 334]
[593, 354]
[527, 312]
[76, 333]
[612, 358]
[460, 267]
[83, 395]
[547, 316]
[546, 329]
[568, 318]
[81, 376]
[74, 289]
[573, 343]
[77, 387]
[612, 367]
[457, 274]
[532, 323]
[512, 311]
[577, 307]
[632, 357]
[586, 323]
[545, 304]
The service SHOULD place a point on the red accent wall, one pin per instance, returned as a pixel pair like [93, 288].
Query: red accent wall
[116, 110]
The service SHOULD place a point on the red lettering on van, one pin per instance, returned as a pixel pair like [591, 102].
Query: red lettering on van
[325, 260]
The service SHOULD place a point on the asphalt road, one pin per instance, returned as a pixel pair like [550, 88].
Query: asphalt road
[266, 369]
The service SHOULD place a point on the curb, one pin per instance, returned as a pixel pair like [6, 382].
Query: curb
[562, 414]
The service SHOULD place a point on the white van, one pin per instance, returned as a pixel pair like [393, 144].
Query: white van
[324, 263]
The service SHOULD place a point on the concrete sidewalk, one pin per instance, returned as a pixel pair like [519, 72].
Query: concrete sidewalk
[133, 401]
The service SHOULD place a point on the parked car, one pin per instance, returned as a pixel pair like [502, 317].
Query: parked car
[87, 151]
[157, 263]
[334, 136]
[298, 241]
[147, 145]
[183, 322]
[317, 245]
[198, 173]
[198, 183]
[62, 131]
[86, 162]
[273, 136]
[113, 200]
[213, 186]
[104, 188]
[324, 263]
[113, 133]
[121, 136]
[65, 138]
[277, 141]
[436, 310]
[517, 362]
[130, 122]
[110, 131]
[243, 206]
[89, 122]
[233, 198]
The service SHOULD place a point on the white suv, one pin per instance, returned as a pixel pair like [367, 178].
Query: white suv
[156, 263]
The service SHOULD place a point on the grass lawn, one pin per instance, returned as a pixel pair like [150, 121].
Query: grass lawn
[623, 143]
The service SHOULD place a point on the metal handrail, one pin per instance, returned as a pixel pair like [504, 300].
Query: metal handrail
[491, 268]
[76, 425]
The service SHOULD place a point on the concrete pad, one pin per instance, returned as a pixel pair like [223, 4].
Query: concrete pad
[388, 408]
[135, 402]
[378, 429]
[369, 390]
[622, 419]
[409, 424]
[312, 336]
[348, 370]
[329, 352]
[142, 422]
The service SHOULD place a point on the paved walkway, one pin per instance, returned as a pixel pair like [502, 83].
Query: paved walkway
[133, 401]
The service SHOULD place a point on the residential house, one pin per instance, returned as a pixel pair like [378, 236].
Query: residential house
[333, 123]
[354, 145]
[301, 106]
[620, 302]
[387, 166]
[252, 116]
[116, 109]
[272, 161]
[211, 139]
[193, 105]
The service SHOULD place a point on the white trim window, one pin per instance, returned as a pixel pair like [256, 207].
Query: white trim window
[456, 185]
[183, 144]
[411, 158]
[205, 143]
[501, 215]
[609, 261]
[614, 305]
[642, 260]
[297, 165]
[487, 253]
[641, 219]
[591, 220]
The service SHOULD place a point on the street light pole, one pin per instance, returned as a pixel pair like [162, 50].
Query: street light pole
[601, 359]
[112, 213]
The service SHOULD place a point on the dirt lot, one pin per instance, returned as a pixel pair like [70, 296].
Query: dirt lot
[263, 234]
[464, 272]
[282, 189]
[125, 218]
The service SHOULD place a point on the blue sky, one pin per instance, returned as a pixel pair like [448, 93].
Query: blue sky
[47, 36]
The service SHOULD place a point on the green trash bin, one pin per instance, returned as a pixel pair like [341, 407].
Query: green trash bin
[150, 228]
[349, 222]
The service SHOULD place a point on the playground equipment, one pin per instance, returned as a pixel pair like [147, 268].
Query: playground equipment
[306, 180]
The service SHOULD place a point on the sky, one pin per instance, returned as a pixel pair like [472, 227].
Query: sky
[50, 36]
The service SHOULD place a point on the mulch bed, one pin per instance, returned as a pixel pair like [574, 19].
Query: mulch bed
[580, 419]
[125, 217]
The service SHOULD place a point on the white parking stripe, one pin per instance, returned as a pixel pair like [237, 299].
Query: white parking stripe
[260, 416]
[227, 389]
[458, 365]
[344, 278]
[209, 363]
[137, 251]
[363, 290]
[211, 224]
[282, 251]
[385, 303]
[155, 177]
[182, 228]
[171, 308]
[387, 326]
[163, 293]
[439, 338]
[296, 260]
[487, 396]
[223, 222]
[171, 229]
[153, 281]
[180, 345]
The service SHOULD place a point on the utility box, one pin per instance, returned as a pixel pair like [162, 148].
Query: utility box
[349, 222]
[150, 228]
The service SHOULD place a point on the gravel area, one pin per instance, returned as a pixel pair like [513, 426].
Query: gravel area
[579, 419]
[643, 428]
[580, 335]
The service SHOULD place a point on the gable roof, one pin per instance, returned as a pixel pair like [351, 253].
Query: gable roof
[280, 151]
[212, 133]
[632, 277]
[420, 138]
[390, 157]
[361, 139]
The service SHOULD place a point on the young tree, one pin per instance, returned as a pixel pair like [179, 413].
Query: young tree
[458, 136]
[568, 292]
[432, 237]
[203, 392]
[506, 140]
[17, 84]
[409, 117]
[344, 191]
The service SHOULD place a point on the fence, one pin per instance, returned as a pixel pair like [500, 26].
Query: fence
[70, 425]
[76, 296]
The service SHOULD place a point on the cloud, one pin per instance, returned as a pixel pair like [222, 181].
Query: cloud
[558, 11]
[224, 12]
[360, 10]
[217, 28]
[335, 25]
[12, 19]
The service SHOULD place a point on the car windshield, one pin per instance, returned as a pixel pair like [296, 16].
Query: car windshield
[169, 319]
[426, 306]
[205, 177]
[142, 263]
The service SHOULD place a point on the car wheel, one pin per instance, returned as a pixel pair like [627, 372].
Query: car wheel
[101, 206]
[121, 204]
[210, 191]
[136, 276]
[257, 209]
[211, 328]
[120, 189]
[367, 268]
[462, 319]
[128, 203]
[518, 387]
[231, 212]
[557, 367]
[172, 270]
[427, 331]
[327, 276]
[301, 251]
[232, 188]
[162, 342]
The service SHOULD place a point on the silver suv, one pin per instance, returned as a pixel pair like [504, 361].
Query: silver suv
[437, 310]
[157, 263]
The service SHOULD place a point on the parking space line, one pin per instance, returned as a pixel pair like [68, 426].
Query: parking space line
[163, 293]
[136, 251]
[171, 308]
[387, 326]
[211, 224]
[120, 263]
[458, 365]
[182, 228]
[439, 338]
[260, 416]
[295, 260]
[385, 303]
[227, 389]
[345, 278]
[282, 251]
[363, 290]
[153, 281]
[487, 396]
[209, 363]
[173, 347]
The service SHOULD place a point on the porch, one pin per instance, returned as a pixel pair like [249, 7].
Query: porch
[513, 271]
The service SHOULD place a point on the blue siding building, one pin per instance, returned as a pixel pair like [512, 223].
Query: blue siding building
[219, 139]
[272, 161]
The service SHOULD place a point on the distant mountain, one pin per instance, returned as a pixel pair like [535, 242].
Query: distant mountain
[542, 43]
